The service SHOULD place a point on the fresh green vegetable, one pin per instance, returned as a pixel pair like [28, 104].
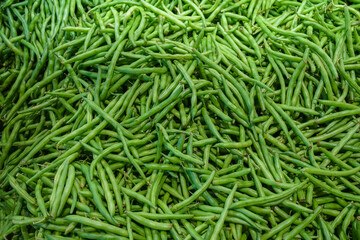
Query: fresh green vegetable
[179, 119]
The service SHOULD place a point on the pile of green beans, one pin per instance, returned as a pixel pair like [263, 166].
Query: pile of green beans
[179, 119]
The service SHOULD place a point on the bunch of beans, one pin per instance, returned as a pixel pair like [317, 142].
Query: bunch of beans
[179, 119]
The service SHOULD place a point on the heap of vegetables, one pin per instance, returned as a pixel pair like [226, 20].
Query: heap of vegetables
[181, 119]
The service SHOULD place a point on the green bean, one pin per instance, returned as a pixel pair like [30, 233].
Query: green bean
[100, 225]
[160, 12]
[195, 194]
[11, 45]
[120, 45]
[234, 144]
[120, 131]
[324, 56]
[243, 93]
[297, 229]
[96, 196]
[149, 223]
[176, 115]
[116, 188]
[283, 56]
[336, 192]
[345, 139]
[164, 216]
[223, 215]
[288, 119]
[105, 185]
[137, 196]
[331, 173]
[40, 199]
[67, 189]
[21, 191]
[264, 200]
[181, 155]
[59, 186]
